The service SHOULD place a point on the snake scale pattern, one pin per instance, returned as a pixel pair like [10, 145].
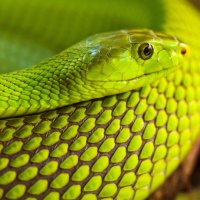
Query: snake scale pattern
[122, 146]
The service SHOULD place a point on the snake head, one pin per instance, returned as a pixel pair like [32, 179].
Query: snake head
[102, 65]
[129, 59]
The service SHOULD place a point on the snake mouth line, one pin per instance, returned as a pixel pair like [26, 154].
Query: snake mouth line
[158, 72]
[144, 75]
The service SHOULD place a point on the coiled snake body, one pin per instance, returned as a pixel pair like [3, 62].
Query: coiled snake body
[140, 97]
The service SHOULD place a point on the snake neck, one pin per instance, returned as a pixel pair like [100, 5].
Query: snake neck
[51, 84]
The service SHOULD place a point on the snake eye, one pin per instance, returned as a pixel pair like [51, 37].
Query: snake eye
[145, 51]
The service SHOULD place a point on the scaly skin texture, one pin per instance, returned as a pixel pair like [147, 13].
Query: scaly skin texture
[118, 147]
[102, 65]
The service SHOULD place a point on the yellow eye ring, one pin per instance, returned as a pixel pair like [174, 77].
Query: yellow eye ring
[145, 51]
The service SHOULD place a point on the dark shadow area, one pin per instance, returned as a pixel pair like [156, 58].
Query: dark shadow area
[196, 2]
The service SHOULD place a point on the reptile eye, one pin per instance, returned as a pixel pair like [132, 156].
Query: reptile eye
[145, 51]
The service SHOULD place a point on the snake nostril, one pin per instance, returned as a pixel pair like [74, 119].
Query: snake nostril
[183, 48]
[183, 51]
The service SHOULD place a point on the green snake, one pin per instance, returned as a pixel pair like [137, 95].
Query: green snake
[109, 117]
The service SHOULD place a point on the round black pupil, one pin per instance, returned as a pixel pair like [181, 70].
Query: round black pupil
[147, 50]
